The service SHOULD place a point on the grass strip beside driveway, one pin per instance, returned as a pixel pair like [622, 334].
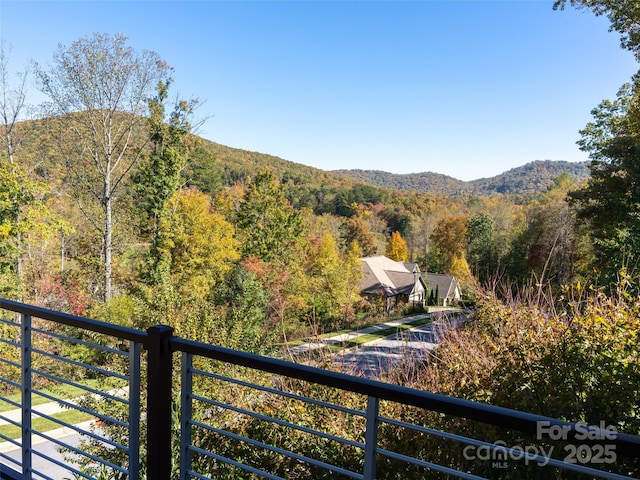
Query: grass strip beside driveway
[378, 335]
[44, 425]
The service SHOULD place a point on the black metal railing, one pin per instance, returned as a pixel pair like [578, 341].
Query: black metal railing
[242, 415]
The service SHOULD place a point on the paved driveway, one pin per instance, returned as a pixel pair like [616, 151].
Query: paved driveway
[50, 449]
[403, 348]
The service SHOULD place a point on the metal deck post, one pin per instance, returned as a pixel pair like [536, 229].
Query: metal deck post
[134, 410]
[27, 429]
[186, 412]
[371, 439]
[159, 383]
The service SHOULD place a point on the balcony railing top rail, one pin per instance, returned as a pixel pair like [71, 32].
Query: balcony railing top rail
[160, 345]
[85, 323]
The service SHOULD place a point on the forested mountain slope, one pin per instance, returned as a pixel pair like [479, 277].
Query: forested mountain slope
[210, 165]
[213, 165]
[234, 164]
[533, 177]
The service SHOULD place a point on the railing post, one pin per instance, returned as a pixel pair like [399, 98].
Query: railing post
[371, 439]
[186, 412]
[27, 429]
[159, 383]
[134, 410]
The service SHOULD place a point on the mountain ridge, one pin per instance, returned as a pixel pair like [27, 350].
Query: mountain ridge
[535, 176]
[213, 165]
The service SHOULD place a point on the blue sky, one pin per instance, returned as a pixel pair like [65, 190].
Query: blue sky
[464, 88]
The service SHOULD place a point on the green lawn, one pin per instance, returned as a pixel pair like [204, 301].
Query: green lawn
[44, 425]
[324, 336]
[360, 339]
[380, 334]
[62, 391]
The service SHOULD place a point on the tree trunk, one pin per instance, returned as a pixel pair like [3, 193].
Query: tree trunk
[108, 232]
[63, 252]
[10, 144]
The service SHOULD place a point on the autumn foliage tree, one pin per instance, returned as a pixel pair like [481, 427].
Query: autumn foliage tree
[449, 238]
[397, 248]
[355, 230]
[332, 282]
[15, 196]
[198, 243]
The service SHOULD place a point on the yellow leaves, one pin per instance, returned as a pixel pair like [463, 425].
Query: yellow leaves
[397, 248]
[5, 230]
[459, 268]
[450, 239]
[601, 320]
[200, 241]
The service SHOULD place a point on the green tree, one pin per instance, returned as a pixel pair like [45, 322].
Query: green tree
[158, 175]
[624, 16]
[268, 225]
[398, 220]
[479, 244]
[608, 204]
[397, 248]
[203, 170]
[610, 201]
[245, 303]
[99, 88]
[431, 260]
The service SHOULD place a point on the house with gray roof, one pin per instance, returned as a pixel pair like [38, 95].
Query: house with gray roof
[393, 281]
[445, 288]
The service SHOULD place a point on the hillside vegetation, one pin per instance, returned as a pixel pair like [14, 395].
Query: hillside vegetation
[213, 166]
[534, 177]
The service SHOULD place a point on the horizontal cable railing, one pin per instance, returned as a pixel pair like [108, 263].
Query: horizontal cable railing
[241, 415]
[507, 421]
[68, 369]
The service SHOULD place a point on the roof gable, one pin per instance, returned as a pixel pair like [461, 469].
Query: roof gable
[383, 274]
[446, 284]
